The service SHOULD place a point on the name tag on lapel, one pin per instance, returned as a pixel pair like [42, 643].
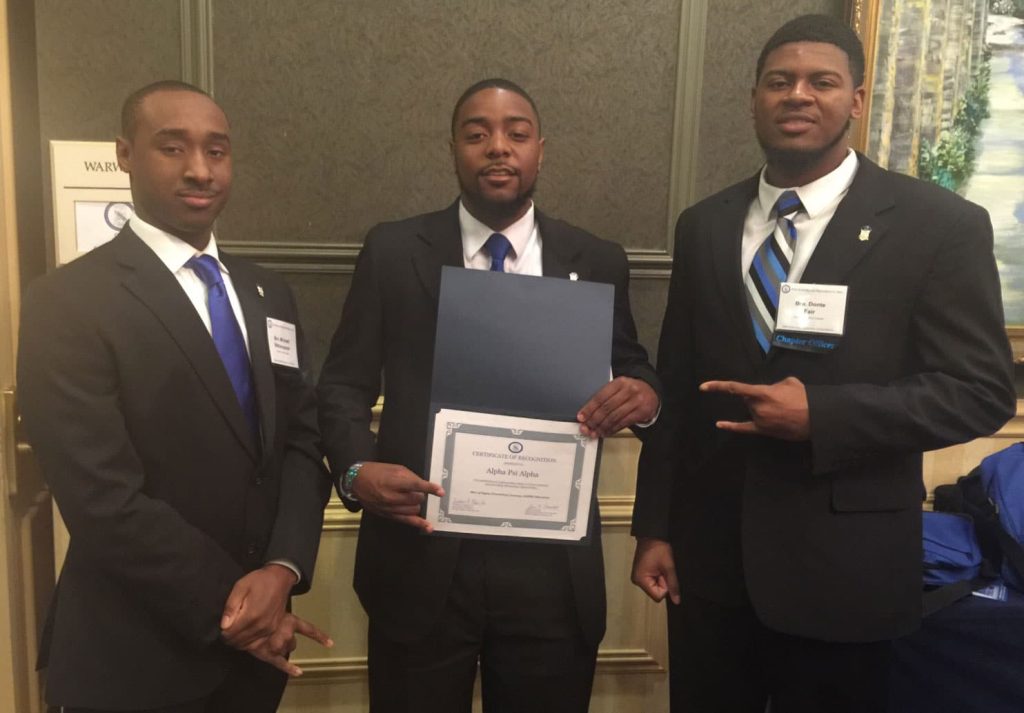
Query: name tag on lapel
[284, 348]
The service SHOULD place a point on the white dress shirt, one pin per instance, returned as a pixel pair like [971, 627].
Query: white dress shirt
[525, 258]
[174, 253]
[820, 199]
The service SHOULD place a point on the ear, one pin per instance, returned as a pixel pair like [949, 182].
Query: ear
[540, 155]
[124, 154]
[753, 100]
[859, 97]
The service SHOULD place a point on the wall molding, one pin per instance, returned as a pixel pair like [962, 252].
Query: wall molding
[689, 87]
[340, 259]
[353, 668]
[197, 43]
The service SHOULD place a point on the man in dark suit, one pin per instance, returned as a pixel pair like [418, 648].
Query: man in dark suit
[181, 448]
[532, 613]
[779, 496]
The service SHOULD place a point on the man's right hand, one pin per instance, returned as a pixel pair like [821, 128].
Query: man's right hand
[276, 648]
[654, 570]
[395, 492]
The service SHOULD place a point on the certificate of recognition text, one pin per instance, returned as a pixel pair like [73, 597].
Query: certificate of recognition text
[511, 477]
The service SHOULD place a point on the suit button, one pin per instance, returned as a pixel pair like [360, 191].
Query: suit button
[251, 549]
[259, 481]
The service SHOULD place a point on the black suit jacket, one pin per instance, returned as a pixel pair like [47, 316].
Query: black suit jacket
[167, 496]
[388, 324]
[825, 536]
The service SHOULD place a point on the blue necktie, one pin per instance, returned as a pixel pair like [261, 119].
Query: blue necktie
[769, 269]
[498, 246]
[227, 336]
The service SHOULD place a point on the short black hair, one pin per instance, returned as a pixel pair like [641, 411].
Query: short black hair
[818, 28]
[494, 83]
[130, 108]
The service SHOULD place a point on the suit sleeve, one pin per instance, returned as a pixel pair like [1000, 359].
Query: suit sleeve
[305, 483]
[629, 358]
[960, 386]
[661, 451]
[69, 399]
[350, 380]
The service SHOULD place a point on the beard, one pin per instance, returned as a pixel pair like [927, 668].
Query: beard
[799, 160]
[498, 211]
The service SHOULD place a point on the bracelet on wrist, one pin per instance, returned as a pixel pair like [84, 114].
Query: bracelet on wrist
[348, 480]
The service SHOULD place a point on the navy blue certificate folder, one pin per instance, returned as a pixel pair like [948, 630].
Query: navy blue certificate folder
[538, 347]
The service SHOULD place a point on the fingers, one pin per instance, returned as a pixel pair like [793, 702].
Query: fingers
[654, 569]
[416, 484]
[232, 606]
[672, 584]
[746, 427]
[622, 402]
[278, 661]
[311, 632]
[414, 521]
[736, 388]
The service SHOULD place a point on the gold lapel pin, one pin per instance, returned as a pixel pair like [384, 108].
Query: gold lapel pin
[865, 233]
[259, 290]
[573, 276]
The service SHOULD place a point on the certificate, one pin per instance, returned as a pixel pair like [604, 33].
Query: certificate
[509, 476]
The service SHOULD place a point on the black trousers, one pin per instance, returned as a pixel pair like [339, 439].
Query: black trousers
[251, 686]
[723, 660]
[510, 610]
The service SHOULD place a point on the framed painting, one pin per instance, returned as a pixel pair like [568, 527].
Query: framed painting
[945, 102]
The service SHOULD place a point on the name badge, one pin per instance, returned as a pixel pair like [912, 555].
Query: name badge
[810, 317]
[284, 348]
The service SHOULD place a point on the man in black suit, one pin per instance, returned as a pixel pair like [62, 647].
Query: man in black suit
[779, 496]
[532, 613]
[181, 448]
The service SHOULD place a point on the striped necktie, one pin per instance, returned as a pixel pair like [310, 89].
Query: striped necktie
[769, 268]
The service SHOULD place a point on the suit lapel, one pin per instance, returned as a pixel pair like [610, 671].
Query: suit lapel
[150, 281]
[726, 234]
[255, 316]
[560, 255]
[440, 244]
[862, 210]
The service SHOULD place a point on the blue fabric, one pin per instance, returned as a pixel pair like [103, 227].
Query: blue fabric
[951, 550]
[1002, 477]
[498, 246]
[965, 658]
[227, 337]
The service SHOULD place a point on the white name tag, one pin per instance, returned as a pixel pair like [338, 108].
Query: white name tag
[284, 349]
[811, 309]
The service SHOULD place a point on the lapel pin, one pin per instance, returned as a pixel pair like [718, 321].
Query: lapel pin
[573, 276]
[259, 290]
[865, 233]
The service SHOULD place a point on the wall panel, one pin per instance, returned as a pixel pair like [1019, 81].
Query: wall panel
[344, 108]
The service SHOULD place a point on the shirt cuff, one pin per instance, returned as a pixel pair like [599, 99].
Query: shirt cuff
[653, 420]
[291, 566]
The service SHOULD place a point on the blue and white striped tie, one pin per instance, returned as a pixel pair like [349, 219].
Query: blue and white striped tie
[769, 269]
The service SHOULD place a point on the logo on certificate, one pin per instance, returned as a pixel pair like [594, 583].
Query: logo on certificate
[515, 447]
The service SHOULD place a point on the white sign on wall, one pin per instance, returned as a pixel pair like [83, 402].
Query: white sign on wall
[91, 197]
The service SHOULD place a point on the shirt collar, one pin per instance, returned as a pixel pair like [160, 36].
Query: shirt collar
[475, 233]
[817, 196]
[172, 250]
